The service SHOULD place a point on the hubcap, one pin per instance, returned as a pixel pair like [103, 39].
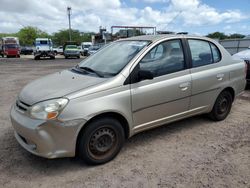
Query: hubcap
[223, 106]
[102, 142]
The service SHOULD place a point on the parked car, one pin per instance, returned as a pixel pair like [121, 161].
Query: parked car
[26, 50]
[71, 51]
[94, 48]
[245, 55]
[58, 50]
[125, 88]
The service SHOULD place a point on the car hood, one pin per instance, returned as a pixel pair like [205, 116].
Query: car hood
[245, 54]
[57, 85]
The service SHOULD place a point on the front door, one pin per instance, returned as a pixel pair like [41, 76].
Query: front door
[167, 96]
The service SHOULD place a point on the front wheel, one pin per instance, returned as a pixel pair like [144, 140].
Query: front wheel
[101, 141]
[222, 106]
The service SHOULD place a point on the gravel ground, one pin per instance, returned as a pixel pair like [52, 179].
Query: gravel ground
[195, 152]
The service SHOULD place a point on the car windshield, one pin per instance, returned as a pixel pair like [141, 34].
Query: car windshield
[94, 48]
[86, 46]
[71, 46]
[113, 58]
[10, 46]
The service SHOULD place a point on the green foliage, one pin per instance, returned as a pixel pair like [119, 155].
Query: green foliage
[236, 36]
[27, 35]
[217, 35]
[61, 37]
[222, 36]
[8, 35]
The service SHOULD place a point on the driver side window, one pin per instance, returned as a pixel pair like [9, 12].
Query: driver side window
[165, 58]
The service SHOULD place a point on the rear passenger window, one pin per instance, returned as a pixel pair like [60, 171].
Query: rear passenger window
[216, 53]
[201, 53]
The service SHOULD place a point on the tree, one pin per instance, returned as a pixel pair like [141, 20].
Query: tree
[59, 38]
[217, 35]
[222, 36]
[27, 35]
[7, 35]
[236, 36]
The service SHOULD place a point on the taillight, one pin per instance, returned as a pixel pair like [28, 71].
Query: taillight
[247, 66]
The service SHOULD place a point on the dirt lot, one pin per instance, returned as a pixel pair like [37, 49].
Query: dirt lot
[190, 153]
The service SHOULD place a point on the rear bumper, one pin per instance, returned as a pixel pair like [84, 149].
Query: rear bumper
[49, 139]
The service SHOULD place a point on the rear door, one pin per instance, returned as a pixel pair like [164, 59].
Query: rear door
[208, 74]
[167, 95]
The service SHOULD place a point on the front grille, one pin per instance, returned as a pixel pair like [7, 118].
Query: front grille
[22, 106]
[72, 52]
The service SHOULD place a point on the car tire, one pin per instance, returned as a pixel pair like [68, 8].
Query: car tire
[78, 57]
[37, 57]
[101, 141]
[222, 106]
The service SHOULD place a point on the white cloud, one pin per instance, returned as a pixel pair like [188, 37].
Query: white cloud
[88, 15]
[156, 1]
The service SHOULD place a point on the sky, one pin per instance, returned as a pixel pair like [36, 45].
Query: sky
[193, 16]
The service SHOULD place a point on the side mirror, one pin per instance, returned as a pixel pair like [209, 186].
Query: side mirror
[145, 75]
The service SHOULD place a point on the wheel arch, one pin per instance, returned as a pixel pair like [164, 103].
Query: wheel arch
[231, 91]
[115, 115]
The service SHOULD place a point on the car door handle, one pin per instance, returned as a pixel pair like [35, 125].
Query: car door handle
[184, 86]
[220, 77]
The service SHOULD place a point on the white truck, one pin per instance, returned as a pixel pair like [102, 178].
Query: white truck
[44, 48]
[85, 48]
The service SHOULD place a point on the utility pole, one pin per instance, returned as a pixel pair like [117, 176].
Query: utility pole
[69, 14]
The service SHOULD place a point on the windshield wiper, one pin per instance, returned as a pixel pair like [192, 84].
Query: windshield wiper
[90, 70]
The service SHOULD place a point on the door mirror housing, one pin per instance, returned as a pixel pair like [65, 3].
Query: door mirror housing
[138, 75]
[145, 75]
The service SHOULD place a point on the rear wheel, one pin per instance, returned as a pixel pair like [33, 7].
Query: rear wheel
[222, 106]
[101, 141]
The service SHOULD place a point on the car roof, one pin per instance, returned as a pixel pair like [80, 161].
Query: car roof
[154, 38]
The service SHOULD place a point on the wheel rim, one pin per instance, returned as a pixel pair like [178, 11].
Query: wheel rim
[102, 143]
[223, 106]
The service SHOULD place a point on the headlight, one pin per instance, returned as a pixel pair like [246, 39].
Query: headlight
[48, 109]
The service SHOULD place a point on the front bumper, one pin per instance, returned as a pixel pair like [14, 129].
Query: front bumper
[44, 53]
[72, 54]
[49, 139]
